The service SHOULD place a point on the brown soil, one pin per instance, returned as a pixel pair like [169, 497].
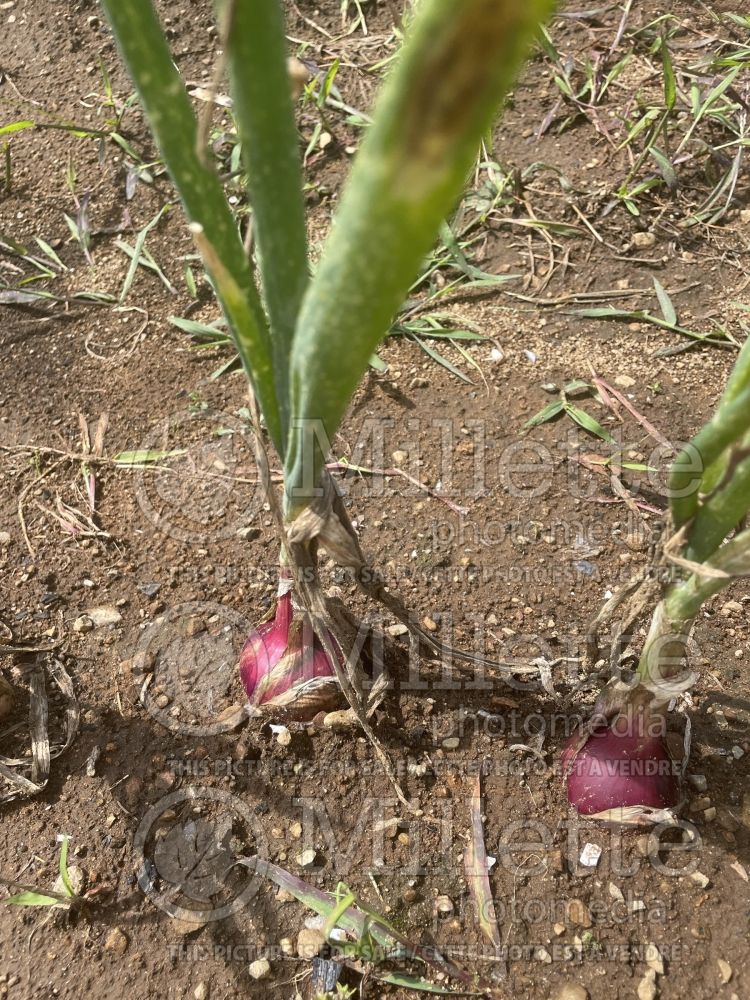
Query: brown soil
[186, 556]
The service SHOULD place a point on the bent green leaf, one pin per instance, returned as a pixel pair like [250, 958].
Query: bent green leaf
[164, 99]
[263, 110]
[456, 64]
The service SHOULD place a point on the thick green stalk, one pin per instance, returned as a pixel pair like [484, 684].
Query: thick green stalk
[457, 62]
[673, 619]
[724, 509]
[259, 80]
[709, 447]
[739, 379]
[162, 94]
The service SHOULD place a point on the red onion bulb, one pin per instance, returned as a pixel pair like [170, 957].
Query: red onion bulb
[619, 766]
[283, 664]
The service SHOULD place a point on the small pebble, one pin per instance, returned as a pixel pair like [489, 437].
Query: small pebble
[451, 743]
[82, 624]
[231, 717]
[183, 926]
[654, 960]
[259, 969]
[616, 892]
[193, 627]
[116, 941]
[741, 870]
[201, 991]
[578, 913]
[309, 942]
[590, 855]
[104, 616]
[572, 991]
[345, 718]
[307, 858]
[91, 760]
[556, 862]
[725, 970]
[731, 607]
[647, 986]
[443, 906]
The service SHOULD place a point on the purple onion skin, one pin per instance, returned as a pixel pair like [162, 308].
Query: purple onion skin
[265, 647]
[620, 766]
[280, 654]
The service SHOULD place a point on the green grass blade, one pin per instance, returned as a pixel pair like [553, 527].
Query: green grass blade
[139, 458]
[212, 333]
[667, 171]
[549, 412]
[163, 97]
[32, 899]
[585, 420]
[431, 352]
[44, 245]
[437, 103]
[607, 312]
[135, 258]
[64, 866]
[668, 310]
[15, 127]
[408, 982]
[259, 80]
[670, 83]
[147, 262]
[322, 903]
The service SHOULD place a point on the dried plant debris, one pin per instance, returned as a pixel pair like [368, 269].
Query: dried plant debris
[477, 871]
[28, 775]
